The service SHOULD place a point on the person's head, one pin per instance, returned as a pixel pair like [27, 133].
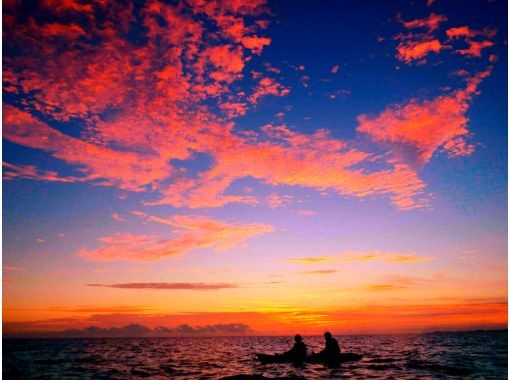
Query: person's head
[327, 335]
[297, 338]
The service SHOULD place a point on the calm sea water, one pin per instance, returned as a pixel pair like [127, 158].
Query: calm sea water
[480, 355]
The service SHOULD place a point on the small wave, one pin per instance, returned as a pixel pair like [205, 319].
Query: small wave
[260, 377]
[435, 367]
[141, 372]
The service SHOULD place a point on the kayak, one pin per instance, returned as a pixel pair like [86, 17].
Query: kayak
[279, 358]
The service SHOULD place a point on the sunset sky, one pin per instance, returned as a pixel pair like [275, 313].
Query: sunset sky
[247, 167]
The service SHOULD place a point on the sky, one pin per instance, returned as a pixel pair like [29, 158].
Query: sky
[251, 167]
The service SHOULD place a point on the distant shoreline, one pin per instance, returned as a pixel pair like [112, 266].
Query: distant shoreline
[29, 336]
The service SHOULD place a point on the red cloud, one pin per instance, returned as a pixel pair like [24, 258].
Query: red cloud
[268, 86]
[415, 130]
[31, 172]
[255, 44]
[474, 47]
[293, 159]
[98, 164]
[431, 23]
[411, 50]
[191, 232]
[143, 105]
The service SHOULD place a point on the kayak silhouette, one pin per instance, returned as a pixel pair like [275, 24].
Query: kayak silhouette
[314, 358]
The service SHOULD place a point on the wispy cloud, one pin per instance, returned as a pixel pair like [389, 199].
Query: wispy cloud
[169, 286]
[415, 130]
[324, 271]
[191, 232]
[364, 257]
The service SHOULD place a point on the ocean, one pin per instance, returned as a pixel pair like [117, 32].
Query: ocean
[481, 355]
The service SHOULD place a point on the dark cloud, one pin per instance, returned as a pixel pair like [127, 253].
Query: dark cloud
[137, 330]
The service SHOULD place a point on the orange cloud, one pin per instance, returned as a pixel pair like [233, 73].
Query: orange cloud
[411, 50]
[267, 86]
[255, 44]
[382, 288]
[191, 232]
[474, 47]
[414, 131]
[168, 286]
[324, 271]
[364, 257]
[431, 22]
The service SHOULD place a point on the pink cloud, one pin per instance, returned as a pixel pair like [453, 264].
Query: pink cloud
[189, 233]
[144, 106]
[12, 171]
[115, 216]
[415, 130]
[101, 165]
[469, 35]
[305, 213]
[169, 286]
[268, 86]
[275, 200]
[293, 159]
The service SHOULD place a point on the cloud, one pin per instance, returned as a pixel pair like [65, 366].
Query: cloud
[305, 213]
[190, 232]
[416, 46]
[275, 200]
[98, 164]
[469, 35]
[411, 50]
[294, 159]
[171, 95]
[415, 130]
[460, 314]
[267, 86]
[364, 257]
[12, 171]
[88, 309]
[141, 106]
[117, 217]
[312, 260]
[320, 272]
[168, 286]
[138, 330]
[382, 287]
[430, 23]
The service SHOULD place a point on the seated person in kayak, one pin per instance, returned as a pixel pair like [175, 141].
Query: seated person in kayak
[332, 350]
[298, 351]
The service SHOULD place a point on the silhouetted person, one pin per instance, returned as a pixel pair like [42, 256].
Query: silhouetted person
[330, 353]
[298, 352]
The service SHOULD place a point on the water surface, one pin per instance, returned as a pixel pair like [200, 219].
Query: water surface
[437, 356]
